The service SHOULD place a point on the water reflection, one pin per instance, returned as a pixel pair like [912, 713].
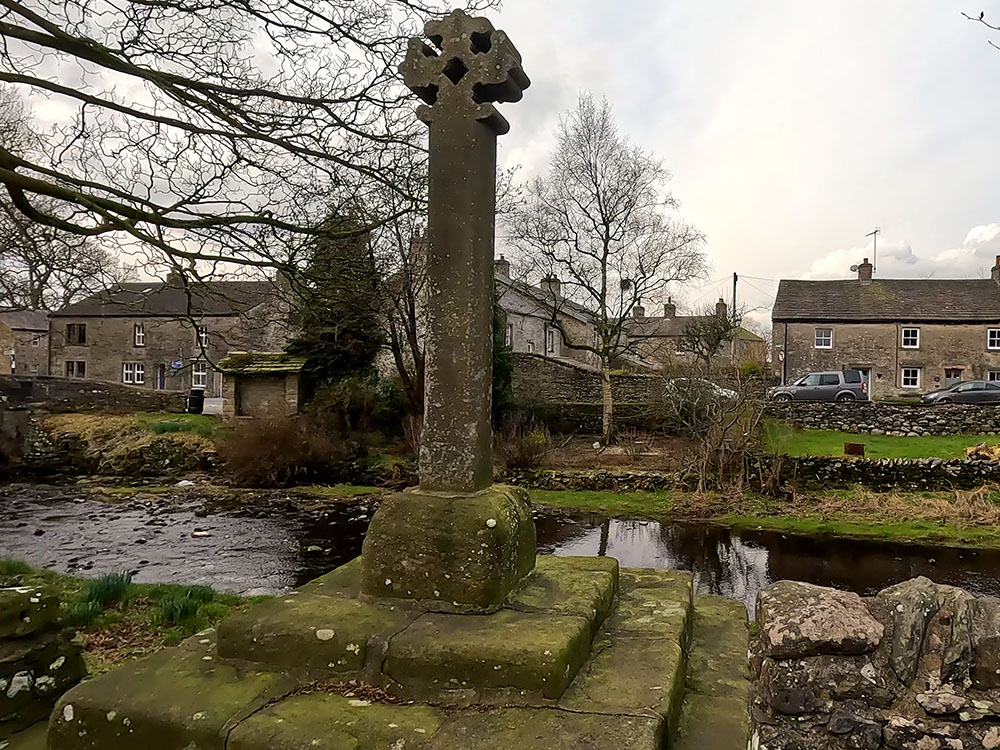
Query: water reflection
[738, 564]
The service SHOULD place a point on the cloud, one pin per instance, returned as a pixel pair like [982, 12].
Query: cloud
[973, 258]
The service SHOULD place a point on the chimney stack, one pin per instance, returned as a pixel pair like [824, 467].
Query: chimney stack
[551, 285]
[638, 312]
[721, 308]
[501, 267]
[865, 273]
[669, 308]
[995, 273]
[175, 278]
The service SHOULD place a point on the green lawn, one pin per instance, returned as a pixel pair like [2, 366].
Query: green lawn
[163, 422]
[779, 437]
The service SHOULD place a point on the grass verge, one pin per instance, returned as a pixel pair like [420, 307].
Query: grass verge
[780, 437]
[958, 517]
[118, 620]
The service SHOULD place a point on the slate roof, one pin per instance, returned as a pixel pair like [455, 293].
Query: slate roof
[261, 363]
[159, 299]
[889, 300]
[543, 297]
[26, 320]
[652, 327]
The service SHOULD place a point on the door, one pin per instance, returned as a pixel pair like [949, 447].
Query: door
[952, 375]
[161, 377]
[829, 385]
[866, 378]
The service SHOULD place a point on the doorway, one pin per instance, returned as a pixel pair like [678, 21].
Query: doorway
[952, 375]
[866, 378]
[161, 377]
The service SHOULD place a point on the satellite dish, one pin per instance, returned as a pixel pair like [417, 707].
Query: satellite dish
[854, 269]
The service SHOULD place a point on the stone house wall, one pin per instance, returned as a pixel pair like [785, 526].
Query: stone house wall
[111, 344]
[7, 349]
[528, 325]
[876, 418]
[915, 666]
[878, 346]
[262, 396]
[31, 352]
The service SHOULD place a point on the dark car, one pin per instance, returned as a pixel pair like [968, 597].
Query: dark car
[966, 392]
[835, 385]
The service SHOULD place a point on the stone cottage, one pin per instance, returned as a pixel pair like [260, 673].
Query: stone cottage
[657, 341]
[529, 319]
[907, 336]
[24, 342]
[167, 335]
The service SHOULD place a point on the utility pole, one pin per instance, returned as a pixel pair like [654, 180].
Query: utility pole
[874, 235]
[732, 352]
[736, 279]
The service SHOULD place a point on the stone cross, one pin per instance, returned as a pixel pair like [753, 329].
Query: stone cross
[469, 67]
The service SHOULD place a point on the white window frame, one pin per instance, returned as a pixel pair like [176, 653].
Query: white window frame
[34, 369]
[133, 373]
[199, 375]
[36, 339]
[202, 337]
[139, 334]
[993, 339]
[816, 338]
[993, 376]
[508, 335]
[903, 337]
[531, 347]
[903, 378]
[550, 340]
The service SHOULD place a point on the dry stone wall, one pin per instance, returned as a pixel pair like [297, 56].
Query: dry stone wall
[879, 418]
[68, 395]
[38, 661]
[916, 667]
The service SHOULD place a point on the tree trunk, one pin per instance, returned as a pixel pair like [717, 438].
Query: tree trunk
[607, 413]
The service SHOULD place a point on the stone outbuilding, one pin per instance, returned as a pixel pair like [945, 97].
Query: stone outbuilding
[262, 384]
[907, 336]
[24, 342]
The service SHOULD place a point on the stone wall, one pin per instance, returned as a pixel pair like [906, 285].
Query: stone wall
[891, 419]
[69, 395]
[38, 661]
[551, 381]
[916, 666]
[818, 472]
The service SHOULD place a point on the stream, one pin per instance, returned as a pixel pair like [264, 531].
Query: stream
[250, 550]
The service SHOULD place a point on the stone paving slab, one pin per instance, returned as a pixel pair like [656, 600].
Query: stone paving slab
[25, 610]
[344, 582]
[319, 634]
[584, 586]
[535, 652]
[172, 700]
[715, 710]
[549, 729]
[322, 721]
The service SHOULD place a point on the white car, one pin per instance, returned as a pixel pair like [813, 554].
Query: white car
[689, 384]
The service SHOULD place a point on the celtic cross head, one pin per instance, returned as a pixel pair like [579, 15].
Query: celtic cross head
[472, 67]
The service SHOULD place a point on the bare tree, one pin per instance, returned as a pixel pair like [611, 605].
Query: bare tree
[215, 132]
[981, 18]
[602, 222]
[709, 333]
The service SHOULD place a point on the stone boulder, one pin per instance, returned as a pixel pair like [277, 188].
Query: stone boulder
[798, 620]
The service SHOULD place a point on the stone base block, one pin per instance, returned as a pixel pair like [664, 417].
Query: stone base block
[459, 553]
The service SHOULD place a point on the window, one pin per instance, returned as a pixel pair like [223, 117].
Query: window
[911, 377]
[199, 375]
[810, 380]
[134, 372]
[76, 334]
[993, 338]
[993, 376]
[829, 380]
[508, 337]
[76, 369]
[34, 369]
[531, 347]
[824, 338]
[139, 334]
[36, 339]
[550, 341]
[202, 337]
[911, 338]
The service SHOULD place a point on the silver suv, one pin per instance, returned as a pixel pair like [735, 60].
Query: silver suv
[836, 385]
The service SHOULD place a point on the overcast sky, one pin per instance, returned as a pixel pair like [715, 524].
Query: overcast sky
[792, 128]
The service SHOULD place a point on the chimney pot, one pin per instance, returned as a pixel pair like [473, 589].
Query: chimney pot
[638, 311]
[865, 272]
[721, 308]
[501, 267]
[551, 285]
[670, 309]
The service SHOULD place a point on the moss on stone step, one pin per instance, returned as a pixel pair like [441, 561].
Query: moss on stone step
[583, 586]
[715, 710]
[535, 729]
[174, 699]
[322, 721]
[534, 652]
[319, 634]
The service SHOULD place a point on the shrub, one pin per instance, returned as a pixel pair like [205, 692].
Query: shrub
[752, 370]
[108, 589]
[634, 442]
[79, 614]
[282, 452]
[523, 445]
[359, 403]
[173, 610]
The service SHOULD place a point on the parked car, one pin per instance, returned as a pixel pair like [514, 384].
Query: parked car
[686, 385]
[966, 392]
[835, 385]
